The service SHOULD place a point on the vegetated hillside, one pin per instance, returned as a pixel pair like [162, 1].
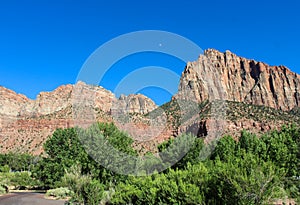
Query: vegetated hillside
[189, 117]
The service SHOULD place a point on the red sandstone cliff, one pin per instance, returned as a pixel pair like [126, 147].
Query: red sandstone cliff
[238, 79]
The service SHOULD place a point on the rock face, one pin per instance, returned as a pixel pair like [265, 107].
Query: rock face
[134, 104]
[11, 103]
[25, 124]
[226, 76]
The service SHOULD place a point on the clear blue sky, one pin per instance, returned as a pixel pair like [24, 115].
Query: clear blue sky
[44, 43]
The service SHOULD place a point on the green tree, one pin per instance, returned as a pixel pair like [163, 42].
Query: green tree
[63, 149]
[246, 180]
[225, 149]
[186, 148]
[72, 146]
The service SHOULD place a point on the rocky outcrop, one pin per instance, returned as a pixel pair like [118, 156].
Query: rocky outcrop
[226, 76]
[12, 103]
[134, 103]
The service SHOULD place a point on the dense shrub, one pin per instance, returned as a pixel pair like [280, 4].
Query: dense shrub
[174, 187]
[18, 161]
[3, 189]
[21, 180]
[59, 193]
[245, 180]
[85, 189]
[18, 180]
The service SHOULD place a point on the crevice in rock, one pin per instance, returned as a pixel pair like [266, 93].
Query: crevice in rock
[271, 83]
[297, 96]
[243, 70]
[252, 89]
[202, 131]
[255, 72]
[286, 77]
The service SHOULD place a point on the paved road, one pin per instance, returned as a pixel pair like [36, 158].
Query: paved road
[23, 198]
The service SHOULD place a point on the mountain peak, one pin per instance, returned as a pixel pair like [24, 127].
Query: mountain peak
[240, 79]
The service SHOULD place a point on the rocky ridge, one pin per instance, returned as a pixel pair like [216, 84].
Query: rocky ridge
[25, 124]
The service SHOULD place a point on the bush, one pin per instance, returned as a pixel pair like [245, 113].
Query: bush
[174, 187]
[19, 180]
[92, 192]
[245, 180]
[5, 168]
[17, 161]
[59, 193]
[3, 189]
[22, 180]
[85, 189]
